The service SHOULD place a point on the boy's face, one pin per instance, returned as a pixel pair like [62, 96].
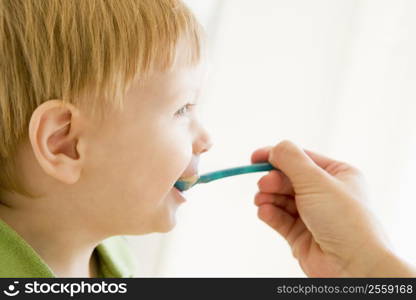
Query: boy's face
[134, 158]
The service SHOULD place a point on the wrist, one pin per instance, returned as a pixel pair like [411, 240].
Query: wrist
[392, 265]
[380, 262]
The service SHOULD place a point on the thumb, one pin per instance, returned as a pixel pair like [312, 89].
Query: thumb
[294, 162]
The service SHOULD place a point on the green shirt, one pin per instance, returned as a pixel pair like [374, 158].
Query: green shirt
[19, 259]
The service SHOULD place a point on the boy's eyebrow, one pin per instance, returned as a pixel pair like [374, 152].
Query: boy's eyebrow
[191, 94]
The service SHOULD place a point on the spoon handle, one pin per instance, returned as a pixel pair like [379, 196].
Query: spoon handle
[259, 167]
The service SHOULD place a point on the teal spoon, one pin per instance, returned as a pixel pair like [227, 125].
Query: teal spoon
[186, 183]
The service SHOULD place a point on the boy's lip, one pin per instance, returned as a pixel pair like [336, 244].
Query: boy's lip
[192, 168]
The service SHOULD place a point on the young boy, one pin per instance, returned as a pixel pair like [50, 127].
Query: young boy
[97, 123]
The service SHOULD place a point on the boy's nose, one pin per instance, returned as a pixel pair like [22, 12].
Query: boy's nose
[203, 141]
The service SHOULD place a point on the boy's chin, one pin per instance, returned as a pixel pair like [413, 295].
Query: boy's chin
[167, 221]
[168, 226]
[164, 227]
[163, 220]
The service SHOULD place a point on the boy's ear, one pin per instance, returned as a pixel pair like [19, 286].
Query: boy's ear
[54, 133]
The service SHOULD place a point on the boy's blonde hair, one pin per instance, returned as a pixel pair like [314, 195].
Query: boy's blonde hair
[67, 49]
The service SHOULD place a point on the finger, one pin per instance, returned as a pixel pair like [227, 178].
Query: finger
[302, 244]
[294, 162]
[283, 201]
[260, 155]
[296, 231]
[330, 165]
[319, 159]
[276, 217]
[275, 182]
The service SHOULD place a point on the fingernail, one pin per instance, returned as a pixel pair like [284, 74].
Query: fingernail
[271, 155]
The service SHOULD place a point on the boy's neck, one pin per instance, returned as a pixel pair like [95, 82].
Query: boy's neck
[65, 248]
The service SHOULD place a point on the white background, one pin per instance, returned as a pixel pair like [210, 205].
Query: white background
[334, 76]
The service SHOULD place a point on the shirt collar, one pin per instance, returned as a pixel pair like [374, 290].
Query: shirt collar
[19, 259]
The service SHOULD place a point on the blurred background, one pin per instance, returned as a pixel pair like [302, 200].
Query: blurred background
[335, 76]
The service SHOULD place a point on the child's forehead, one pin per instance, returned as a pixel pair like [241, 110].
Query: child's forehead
[183, 63]
[183, 77]
[179, 82]
[184, 54]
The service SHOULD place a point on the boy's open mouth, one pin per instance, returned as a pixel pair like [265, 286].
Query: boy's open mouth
[192, 168]
[178, 194]
[189, 174]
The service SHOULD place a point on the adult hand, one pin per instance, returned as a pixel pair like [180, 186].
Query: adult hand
[317, 205]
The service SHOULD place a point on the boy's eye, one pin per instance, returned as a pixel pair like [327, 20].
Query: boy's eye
[184, 109]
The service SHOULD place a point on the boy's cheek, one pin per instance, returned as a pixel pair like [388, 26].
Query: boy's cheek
[176, 156]
[184, 158]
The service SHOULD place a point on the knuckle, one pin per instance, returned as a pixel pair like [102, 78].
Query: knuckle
[260, 183]
[285, 146]
[357, 171]
[282, 149]
[260, 214]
